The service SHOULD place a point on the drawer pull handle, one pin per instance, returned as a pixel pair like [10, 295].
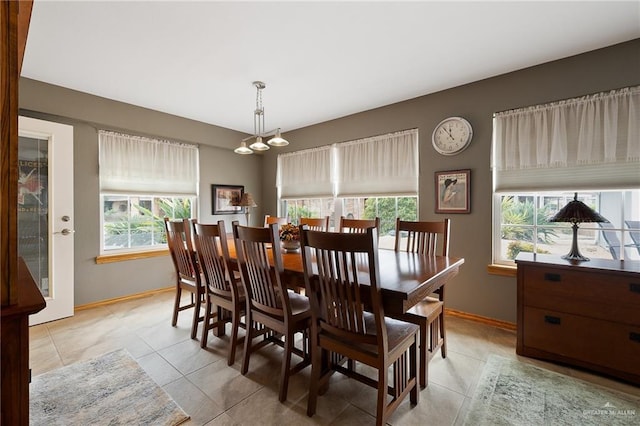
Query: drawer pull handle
[551, 320]
[552, 277]
[634, 287]
[634, 337]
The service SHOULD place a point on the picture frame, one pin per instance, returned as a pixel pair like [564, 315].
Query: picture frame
[224, 199]
[453, 190]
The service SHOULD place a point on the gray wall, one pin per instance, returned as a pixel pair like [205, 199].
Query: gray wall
[473, 290]
[87, 114]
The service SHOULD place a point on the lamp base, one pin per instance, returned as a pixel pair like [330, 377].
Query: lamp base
[574, 254]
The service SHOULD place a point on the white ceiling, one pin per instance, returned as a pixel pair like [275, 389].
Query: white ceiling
[319, 60]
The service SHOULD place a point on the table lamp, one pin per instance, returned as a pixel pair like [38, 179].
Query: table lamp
[576, 212]
[247, 202]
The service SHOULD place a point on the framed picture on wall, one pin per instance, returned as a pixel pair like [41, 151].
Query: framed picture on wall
[453, 190]
[225, 199]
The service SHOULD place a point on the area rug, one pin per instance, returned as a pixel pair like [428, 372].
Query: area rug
[515, 393]
[109, 390]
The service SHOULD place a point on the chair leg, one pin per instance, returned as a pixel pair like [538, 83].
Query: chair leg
[235, 324]
[176, 307]
[285, 369]
[443, 334]
[381, 410]
[207, 320]
[247, 344]
[316, 367]
[413, 364]
[196, 317]
[424, 355]
[222, 321]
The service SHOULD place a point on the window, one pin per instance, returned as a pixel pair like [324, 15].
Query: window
[543, 154]
[370, 177]
[386, 208]
[523, 225]
[142, 181]
[312, 207]
[137, 222]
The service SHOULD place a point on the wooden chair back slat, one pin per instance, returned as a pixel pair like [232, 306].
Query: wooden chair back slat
[178, 238]
[213, 255]
[268, 220]
[261, 279]
[315, 223]
[422, 237]
[358, 225]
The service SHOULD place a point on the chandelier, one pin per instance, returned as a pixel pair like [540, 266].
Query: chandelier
[258, 129]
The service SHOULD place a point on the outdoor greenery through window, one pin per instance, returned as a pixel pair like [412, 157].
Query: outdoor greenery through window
[137, 222]
[523, 225]
[386, 208]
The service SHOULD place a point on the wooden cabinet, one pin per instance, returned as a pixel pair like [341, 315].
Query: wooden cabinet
[585, 314]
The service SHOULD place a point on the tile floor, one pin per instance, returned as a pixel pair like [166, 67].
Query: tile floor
[213, 393]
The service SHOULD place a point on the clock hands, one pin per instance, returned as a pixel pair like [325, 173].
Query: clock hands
[448, 133]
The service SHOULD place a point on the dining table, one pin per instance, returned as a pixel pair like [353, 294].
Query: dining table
[406, 278]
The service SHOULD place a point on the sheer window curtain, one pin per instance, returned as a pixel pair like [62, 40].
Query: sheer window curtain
[305, 174]
[135, 164]
[588, 142]
[380, 165]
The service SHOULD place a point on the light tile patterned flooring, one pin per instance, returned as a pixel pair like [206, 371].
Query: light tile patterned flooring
[213, 393]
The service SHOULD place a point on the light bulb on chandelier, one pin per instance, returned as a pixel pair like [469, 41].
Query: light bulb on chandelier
[258, 128]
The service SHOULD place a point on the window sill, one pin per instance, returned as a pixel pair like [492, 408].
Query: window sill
[121, 257]
[503, 270]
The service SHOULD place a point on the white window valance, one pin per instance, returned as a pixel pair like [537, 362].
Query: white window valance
[136, 164]
[587, 142]
[380, 165]
[305, 173]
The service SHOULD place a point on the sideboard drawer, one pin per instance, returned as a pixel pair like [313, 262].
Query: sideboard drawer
[594, 341]
[585, 285]
[606, 296]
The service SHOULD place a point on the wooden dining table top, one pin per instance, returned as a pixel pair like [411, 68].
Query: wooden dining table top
[405, 278]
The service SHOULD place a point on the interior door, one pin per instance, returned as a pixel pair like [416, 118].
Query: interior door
[45, 212]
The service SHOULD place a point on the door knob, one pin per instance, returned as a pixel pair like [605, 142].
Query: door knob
[66, 218]
[65, 231]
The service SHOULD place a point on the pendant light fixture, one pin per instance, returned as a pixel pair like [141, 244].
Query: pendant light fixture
[258, 128]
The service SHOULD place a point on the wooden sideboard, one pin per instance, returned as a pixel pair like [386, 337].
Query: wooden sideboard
[585, 314]
[14, 332]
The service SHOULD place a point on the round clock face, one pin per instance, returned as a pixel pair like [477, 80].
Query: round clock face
[452, 135]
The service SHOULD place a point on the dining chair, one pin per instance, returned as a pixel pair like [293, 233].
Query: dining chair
[271, 309]
[358, 225]
[611, 238]
[187, 274]
[315, 223]
[635, 235]
[268, 220]
[341, 325]
[224, 295]
[424, 237]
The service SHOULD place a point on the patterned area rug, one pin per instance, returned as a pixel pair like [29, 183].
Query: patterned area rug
[109, 390]
[514, 393]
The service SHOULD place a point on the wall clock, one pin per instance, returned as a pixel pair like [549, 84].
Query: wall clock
[452, 135]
